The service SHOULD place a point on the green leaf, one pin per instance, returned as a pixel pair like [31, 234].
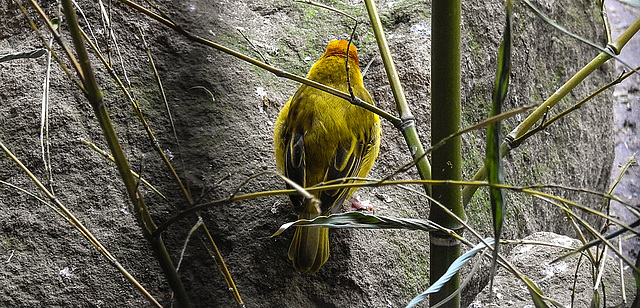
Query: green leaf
[536, 293]
[363, 221]
[55, 22]
[494, 159]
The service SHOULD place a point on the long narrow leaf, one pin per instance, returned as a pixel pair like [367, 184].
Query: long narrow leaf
[452, 270]
[494, 159]
[364, 221]
[536, 293]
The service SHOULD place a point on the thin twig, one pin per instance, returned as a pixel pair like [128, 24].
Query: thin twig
[253, 46]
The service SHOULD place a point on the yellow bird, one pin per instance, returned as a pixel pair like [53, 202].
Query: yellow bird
[319, 137]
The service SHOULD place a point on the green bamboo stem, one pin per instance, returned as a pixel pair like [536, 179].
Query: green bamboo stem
[407, 126]
[537, 114]
[515, 143]
[446, 159]
[94, 96]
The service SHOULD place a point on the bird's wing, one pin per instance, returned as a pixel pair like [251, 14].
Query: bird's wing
[367, 155]
[295, 166]
[346, 162]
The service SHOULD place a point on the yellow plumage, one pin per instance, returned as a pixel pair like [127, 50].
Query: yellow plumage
[319, 137]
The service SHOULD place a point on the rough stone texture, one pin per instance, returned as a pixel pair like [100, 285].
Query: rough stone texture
[227, 138]
[555, 280]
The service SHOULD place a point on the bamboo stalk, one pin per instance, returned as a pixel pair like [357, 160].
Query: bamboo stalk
[95, 98]
[446, 159]
[407, 125]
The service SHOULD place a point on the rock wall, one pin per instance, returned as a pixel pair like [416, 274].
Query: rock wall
[225, 136]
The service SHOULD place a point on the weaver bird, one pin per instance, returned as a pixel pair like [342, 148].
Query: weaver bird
[319, 137]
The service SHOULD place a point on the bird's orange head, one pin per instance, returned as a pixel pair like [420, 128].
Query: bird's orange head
[339, 48]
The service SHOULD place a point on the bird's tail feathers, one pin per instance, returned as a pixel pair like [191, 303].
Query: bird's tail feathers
[309, 248]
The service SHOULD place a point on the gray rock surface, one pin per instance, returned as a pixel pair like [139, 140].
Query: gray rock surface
[569, 282]
[226, 139]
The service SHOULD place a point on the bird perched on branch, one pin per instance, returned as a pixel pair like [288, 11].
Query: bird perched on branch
[320, 137]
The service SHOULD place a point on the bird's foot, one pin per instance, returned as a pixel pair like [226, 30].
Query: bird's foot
[357, 205]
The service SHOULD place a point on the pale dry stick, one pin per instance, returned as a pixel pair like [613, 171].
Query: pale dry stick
[621, 270]
[86, 21]
[600, 269]
[184, 247]
[10, 256]
[103, 13]
[75, 222]
[605, 21]
[253, 46]
[630, 161]
[366, 68]
[44, 122]
[112, 36]
[106, 27]
[186, 241]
